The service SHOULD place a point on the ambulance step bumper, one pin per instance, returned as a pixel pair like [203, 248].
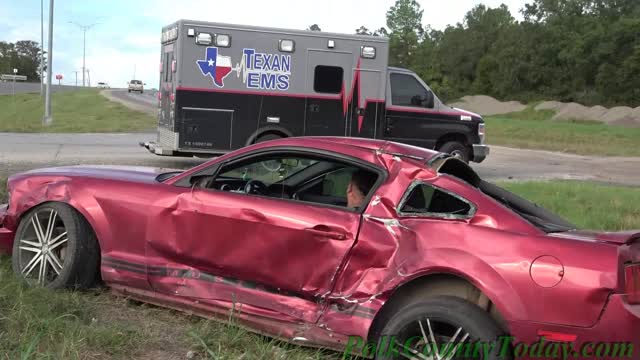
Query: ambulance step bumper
[155, 149]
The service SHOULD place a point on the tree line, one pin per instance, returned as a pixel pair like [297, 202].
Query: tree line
[587, 51]
[23, 55]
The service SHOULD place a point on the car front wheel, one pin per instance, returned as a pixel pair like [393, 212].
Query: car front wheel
[442, 327]
[456, 149]
[56, 248]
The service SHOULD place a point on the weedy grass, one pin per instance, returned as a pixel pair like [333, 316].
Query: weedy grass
[530, 129]
[588, 205]
[78, 111]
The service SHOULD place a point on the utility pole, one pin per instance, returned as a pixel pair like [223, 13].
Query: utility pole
[84, 44]
[41, 47]
[89, 76]
[134, 71]
[48, 117]
[76, 77]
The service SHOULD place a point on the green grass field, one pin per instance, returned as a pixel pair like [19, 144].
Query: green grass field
[81, 111]
[530, 129]
[97, 325]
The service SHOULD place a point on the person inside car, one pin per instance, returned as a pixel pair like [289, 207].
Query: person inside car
[359, 186]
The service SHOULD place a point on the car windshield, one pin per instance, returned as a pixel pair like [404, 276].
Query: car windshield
[269, 171]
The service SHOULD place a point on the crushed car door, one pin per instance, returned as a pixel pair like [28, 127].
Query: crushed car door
[272, 256]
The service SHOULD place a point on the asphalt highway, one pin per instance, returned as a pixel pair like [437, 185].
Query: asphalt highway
[19, 152]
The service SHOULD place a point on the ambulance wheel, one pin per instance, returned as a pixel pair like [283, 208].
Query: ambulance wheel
[456, 149]
[267, 137]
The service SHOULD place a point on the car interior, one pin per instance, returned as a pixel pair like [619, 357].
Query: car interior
[307, 179]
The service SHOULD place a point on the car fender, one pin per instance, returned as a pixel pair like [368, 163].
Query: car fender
[470, 268]
[32, 192]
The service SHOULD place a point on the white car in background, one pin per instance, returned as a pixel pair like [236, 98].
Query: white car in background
[136, 85]
[103, 85]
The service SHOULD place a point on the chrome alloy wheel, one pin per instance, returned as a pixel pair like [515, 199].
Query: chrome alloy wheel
[434, 340]
[42, 247]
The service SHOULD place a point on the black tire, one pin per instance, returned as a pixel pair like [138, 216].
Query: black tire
[445, 313]
[267, 137]
[81, 257]
[129, 90]
[457, 149]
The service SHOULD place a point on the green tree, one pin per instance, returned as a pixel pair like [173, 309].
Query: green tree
[314, 27]
[24, 55]
[362, 30]
[404, 21]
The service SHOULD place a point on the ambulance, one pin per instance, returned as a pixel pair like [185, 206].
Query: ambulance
[224, 86]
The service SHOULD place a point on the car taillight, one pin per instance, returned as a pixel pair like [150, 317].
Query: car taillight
[632, 283]
[481, 132]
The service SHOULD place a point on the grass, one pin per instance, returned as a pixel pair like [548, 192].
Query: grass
[81, 111]
[532, 129]
[43, 324]
[585, 204]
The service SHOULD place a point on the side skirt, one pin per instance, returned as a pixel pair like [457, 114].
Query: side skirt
[291, 331]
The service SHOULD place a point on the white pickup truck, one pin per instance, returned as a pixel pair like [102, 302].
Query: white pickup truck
[136, 85]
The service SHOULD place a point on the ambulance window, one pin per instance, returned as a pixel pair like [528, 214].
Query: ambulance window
[328, 79]
[406, 90]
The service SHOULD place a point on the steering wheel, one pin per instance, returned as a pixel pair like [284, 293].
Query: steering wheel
[255, 187]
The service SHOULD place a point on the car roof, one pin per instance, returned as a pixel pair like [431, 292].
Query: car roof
[356, 147]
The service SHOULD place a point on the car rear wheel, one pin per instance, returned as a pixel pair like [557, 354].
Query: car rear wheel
[456, 149]
[55, 247]
[443, 328]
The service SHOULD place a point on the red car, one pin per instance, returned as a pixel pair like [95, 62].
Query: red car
[334, 242]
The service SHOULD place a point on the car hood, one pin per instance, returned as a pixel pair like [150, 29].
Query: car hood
[128, 173]
[617, 237]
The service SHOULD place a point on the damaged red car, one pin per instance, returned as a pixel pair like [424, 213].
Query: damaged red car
[319, 241]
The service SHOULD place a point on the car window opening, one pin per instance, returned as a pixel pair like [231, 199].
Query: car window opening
[299, 178]
[426, 199]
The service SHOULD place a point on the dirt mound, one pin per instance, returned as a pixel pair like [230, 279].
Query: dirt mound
[486, 105]
[619, 115]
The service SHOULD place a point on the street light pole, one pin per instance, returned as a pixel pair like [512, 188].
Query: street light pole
[84, 48]
[41, 47]
[84, 44]
[48, 117]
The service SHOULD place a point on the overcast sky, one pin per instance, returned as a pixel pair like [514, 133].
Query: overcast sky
[128, 32]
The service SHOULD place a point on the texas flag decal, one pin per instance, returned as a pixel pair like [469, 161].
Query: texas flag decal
[215, 66]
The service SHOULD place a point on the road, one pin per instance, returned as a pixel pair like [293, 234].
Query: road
[19, 152]
[146, 102]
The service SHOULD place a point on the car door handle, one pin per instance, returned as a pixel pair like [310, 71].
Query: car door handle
[326, 233]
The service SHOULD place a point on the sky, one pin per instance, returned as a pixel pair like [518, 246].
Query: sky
[126, 37]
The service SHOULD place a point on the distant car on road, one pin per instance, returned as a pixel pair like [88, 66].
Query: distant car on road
[103, 85]
[136, 85]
